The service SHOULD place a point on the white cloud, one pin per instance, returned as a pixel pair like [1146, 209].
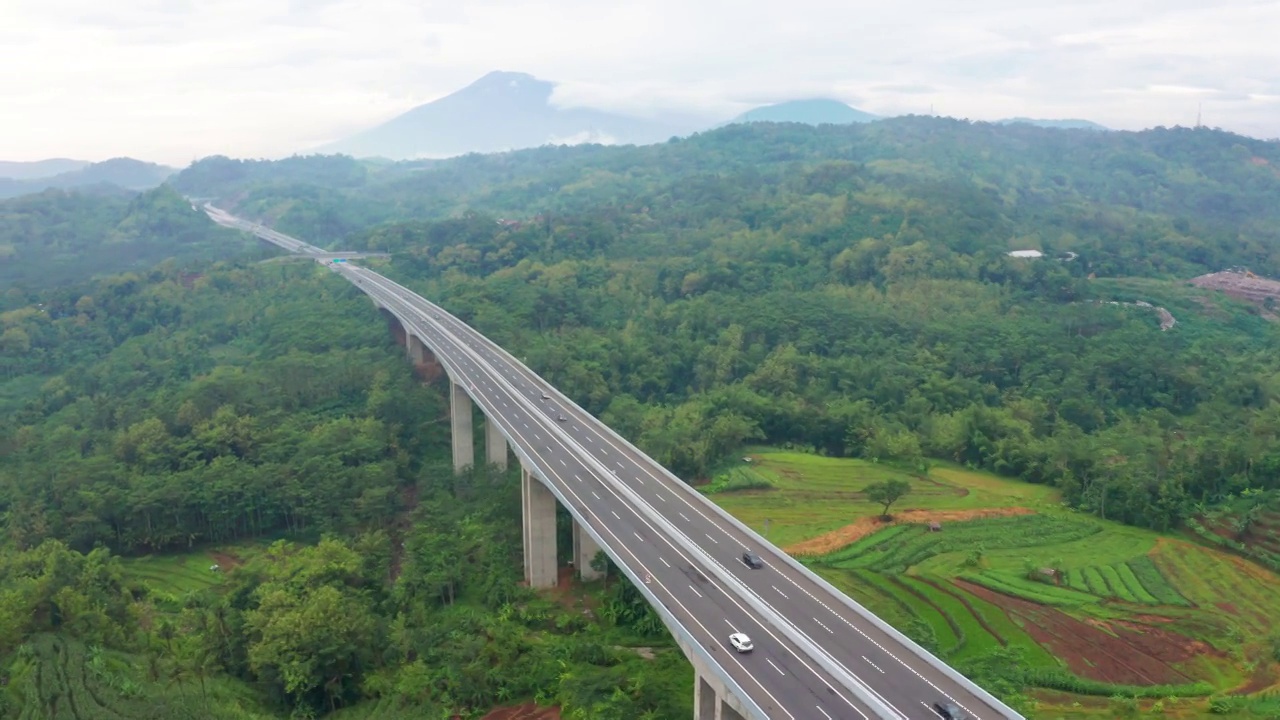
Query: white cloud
[169, 80]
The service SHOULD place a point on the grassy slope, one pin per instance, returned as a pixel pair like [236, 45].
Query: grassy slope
[1115, 577]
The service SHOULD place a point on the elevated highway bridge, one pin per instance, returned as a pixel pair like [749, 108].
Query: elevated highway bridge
[818, 655]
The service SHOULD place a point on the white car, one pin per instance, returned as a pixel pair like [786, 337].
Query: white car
[741, 643]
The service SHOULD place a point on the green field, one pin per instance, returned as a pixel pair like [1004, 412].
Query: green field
[1067, 589]
[812, 495]
[171, 577]
[59, 678]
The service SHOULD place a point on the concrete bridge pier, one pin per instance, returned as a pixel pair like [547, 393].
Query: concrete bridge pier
[464, 449]
[416, 351]
[584, 551]
[711, 701]
[495, 445]
[539, 511]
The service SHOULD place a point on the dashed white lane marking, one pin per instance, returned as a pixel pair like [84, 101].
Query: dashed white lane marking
[578, 478]
[775, 587]
[695, 591]
[877, 667]
[633, 532]
[824, 627]
[686, 518]
[526, 425]
[883, 649]
[664, 562]
[562, 462]
[661, 498]
[824, 712]
[712, 539]
[775, 667]
[615, 514]
[593, 492]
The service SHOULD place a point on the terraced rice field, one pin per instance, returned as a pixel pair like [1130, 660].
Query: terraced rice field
[1110, 605]
[173, 574]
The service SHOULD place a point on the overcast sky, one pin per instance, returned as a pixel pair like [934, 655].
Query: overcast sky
[173, 80]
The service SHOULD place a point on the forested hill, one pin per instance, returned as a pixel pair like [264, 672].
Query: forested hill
[1160, 202]
[849, 289]
[58, 237]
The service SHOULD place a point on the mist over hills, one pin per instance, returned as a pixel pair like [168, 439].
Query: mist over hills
[511, 111]
[500, 111]
[38, 168]
[125, 173]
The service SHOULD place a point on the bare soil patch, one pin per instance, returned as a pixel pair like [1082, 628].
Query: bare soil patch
[1240, 284]
[1263, 678]
[527, 711]
[1124, 653]
[225, 561]
[864, 526]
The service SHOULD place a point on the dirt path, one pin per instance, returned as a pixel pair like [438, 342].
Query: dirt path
[400, 525]
[864, 526]
[225, 561]
[527, 711]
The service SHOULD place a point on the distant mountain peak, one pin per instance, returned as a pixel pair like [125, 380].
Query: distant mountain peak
[501, 111]
[506, 78]
[503, 86]
[810, 111]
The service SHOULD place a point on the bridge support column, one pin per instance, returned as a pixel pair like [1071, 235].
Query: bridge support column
[711, 701]
[495, 446]
[416, 350]
[539, 531]
[584, 551]
[704, 698]
[464, 449]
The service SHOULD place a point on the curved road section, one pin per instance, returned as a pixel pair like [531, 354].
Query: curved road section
[818, 654]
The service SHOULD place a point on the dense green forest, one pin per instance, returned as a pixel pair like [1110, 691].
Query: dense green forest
[57, 237]
[265, 408]
[1165, 201]
[848, 288]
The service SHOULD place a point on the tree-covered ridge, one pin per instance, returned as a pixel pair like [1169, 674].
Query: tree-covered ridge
[1159, 202]
[200, 411]
[246, 404]
[56, 237]
[1002, 363]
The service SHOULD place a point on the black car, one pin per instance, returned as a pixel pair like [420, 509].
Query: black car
[949, 711]
[752, 560]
